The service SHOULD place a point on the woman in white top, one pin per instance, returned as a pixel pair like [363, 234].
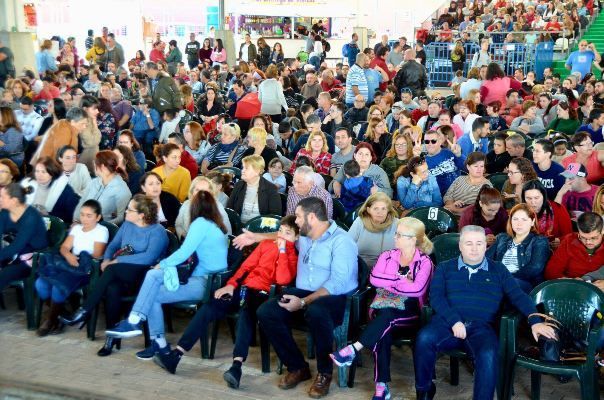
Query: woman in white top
[466, 116]
[270, 94]
[78, 175]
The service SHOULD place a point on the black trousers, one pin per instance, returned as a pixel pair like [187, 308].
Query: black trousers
[13, 272]
[218, 309]
[322, 316]
[116, 281]
[377, 337]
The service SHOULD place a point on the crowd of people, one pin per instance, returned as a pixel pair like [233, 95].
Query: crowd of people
[157, 146]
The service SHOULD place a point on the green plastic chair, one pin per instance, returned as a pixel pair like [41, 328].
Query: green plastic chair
[149, 165]
[339, 212]
[573, 303]
[437, 220]
[264, 224]
[233, 171]
[498, 180]
[446, 247]
[235, 221]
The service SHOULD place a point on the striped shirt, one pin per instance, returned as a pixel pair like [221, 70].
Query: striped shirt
[510, 258]
[356, 77]
[462, 190]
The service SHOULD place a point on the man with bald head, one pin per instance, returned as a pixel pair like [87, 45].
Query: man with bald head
[412, 74]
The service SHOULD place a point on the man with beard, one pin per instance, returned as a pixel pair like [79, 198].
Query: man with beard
[327, 272]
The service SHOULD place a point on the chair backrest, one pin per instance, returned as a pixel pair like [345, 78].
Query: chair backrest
[233, 171]
[283, 197]
[351, 216]
[498, 179]
[436, 219]
[235, 221]
[327, 179]
[56, 231]
[446, 247]
[289, 179]
[111, 227]
[234, 256]
[173, 242]
[149, 165]
[363, 273]
[264, 224]
[342, 225]
[570, 301]
[339, 212]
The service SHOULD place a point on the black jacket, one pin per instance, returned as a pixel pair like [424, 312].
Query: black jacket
[269, 200]
[263, 57]
[412, 75]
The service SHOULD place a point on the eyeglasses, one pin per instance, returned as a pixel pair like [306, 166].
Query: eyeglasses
[400, 145]
[430, 141]
[585, 144]
[589, 239]
[398, 235]
[514, 172]
[131, 210]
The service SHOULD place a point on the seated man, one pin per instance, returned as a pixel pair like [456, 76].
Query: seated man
[516, 147]
[327, 272]
[457, 287]
[304, 186]
[579, 253]
[576, 195]
[444, 164]
[344, 138]
[477, 140]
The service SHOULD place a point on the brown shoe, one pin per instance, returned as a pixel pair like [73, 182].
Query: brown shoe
[291, 379]
[320, 387]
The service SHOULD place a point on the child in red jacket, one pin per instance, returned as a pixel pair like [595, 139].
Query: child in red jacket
[271, 262]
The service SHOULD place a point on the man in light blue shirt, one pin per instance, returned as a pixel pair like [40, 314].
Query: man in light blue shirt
[581, 60]
[477, 140]
[356, 83]
[327, 272]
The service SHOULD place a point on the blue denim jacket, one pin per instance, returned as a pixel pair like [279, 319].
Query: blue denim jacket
[412, 196]
[533, 254]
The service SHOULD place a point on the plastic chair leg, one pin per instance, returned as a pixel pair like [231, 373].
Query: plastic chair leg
[351, 373]
[30, 299]
[265, 353]
[310, 346]
[231, 325]
[39, 306]
[2, 304]
[454, 365]
[20, 298]
[146, 334]
[91, 327]
[168, 318]
[342, 377]
[535, 385]
[204, 343]
[214, 340]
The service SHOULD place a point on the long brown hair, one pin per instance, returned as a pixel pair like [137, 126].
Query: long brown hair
[401, 134]
[129, 160]
[108, 159]
[204, 205]
[8, 119]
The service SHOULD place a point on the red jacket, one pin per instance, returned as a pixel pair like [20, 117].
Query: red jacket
[570, 260]
[380, 62]
[267, 266]
[187, 161]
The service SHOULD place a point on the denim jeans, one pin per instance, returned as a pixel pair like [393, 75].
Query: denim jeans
[48, 291]
[153, 294]
[481, 343]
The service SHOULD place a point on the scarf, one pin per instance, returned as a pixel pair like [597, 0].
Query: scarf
[546, 225]
[227, 148]
[377, 228]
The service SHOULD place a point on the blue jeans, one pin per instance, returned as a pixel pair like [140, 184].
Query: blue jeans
[153, 294]
[481, 343]
[47, 291]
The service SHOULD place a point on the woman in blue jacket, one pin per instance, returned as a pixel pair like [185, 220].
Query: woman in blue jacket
[415, 187]
[521, 249]
[207, 239]
[138, 244]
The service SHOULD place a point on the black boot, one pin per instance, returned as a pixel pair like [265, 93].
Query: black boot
[233, 375]
[108, 347]
[429, 395]
[81, 316]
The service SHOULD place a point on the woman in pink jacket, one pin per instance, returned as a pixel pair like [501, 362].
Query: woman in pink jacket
[402, 278]
[219, 53]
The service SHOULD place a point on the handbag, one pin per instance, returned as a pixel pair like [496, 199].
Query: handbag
[185, 269]
[386, 299]
[127, 250]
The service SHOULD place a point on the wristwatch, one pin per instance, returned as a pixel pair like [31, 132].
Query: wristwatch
[302, 303]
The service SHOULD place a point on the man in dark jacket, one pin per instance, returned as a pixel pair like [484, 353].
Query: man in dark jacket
[412, 74]
[247, 50]
[162, 89]
[192, 52]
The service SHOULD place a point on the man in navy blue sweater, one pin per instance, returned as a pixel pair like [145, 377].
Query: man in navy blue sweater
[466, 295]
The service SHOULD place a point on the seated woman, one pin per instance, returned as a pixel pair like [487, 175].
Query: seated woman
[487, 212]
[197, 145]
[175, 178]
[25, 226]
[183, 220]
[402, 278]
[227, 153]
[126, 138]
[553, 220]
[77, 174]
[566, 120]
[466, 116]
[208, 241]
[138, 245]
[210, 106]
[253, 195]
[399, 154]
[127, 162]
[365, 156]
[11, 136]
[272, 261]
[108, 188]
[377, 136]
[415, 187]
[521, 249]
[463, 191]
[317, 150]
[167, 204]
[223, 184]
[586, 155]
[373, 230]
[56, 282]
[498, 158]
[49, 191]
[257, 145]
[529, 122]
[520, 171]
[8, 172]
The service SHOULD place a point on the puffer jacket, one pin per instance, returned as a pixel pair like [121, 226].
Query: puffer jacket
[166, 95]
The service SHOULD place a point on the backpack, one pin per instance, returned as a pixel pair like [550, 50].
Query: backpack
[345, 49]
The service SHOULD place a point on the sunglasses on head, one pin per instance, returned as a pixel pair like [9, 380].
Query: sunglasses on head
[406, 90]
[430, 141]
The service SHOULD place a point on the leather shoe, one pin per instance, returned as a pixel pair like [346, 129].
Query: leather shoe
[291, 379]
[320, 387]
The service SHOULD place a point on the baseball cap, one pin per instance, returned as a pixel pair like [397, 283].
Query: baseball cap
[574, 170]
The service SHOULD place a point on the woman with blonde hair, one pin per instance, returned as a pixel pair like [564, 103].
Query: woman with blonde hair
[399, 153]
[377, 136]
[183, 220]
[402, 278]
[97, 52]
[228, 152]
[316, 150]
[257, 145]
[195, 136]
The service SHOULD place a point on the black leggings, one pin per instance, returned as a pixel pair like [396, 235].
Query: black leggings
[116, 281]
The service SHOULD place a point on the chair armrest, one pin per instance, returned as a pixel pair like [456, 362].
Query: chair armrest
[509, 327]
[215, 281]
[592, 343]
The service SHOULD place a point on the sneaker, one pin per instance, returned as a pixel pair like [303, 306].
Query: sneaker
[149, 352]
[344, 357]
[168, 360]
[124, 330]
[382, 392]
[232, 376]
